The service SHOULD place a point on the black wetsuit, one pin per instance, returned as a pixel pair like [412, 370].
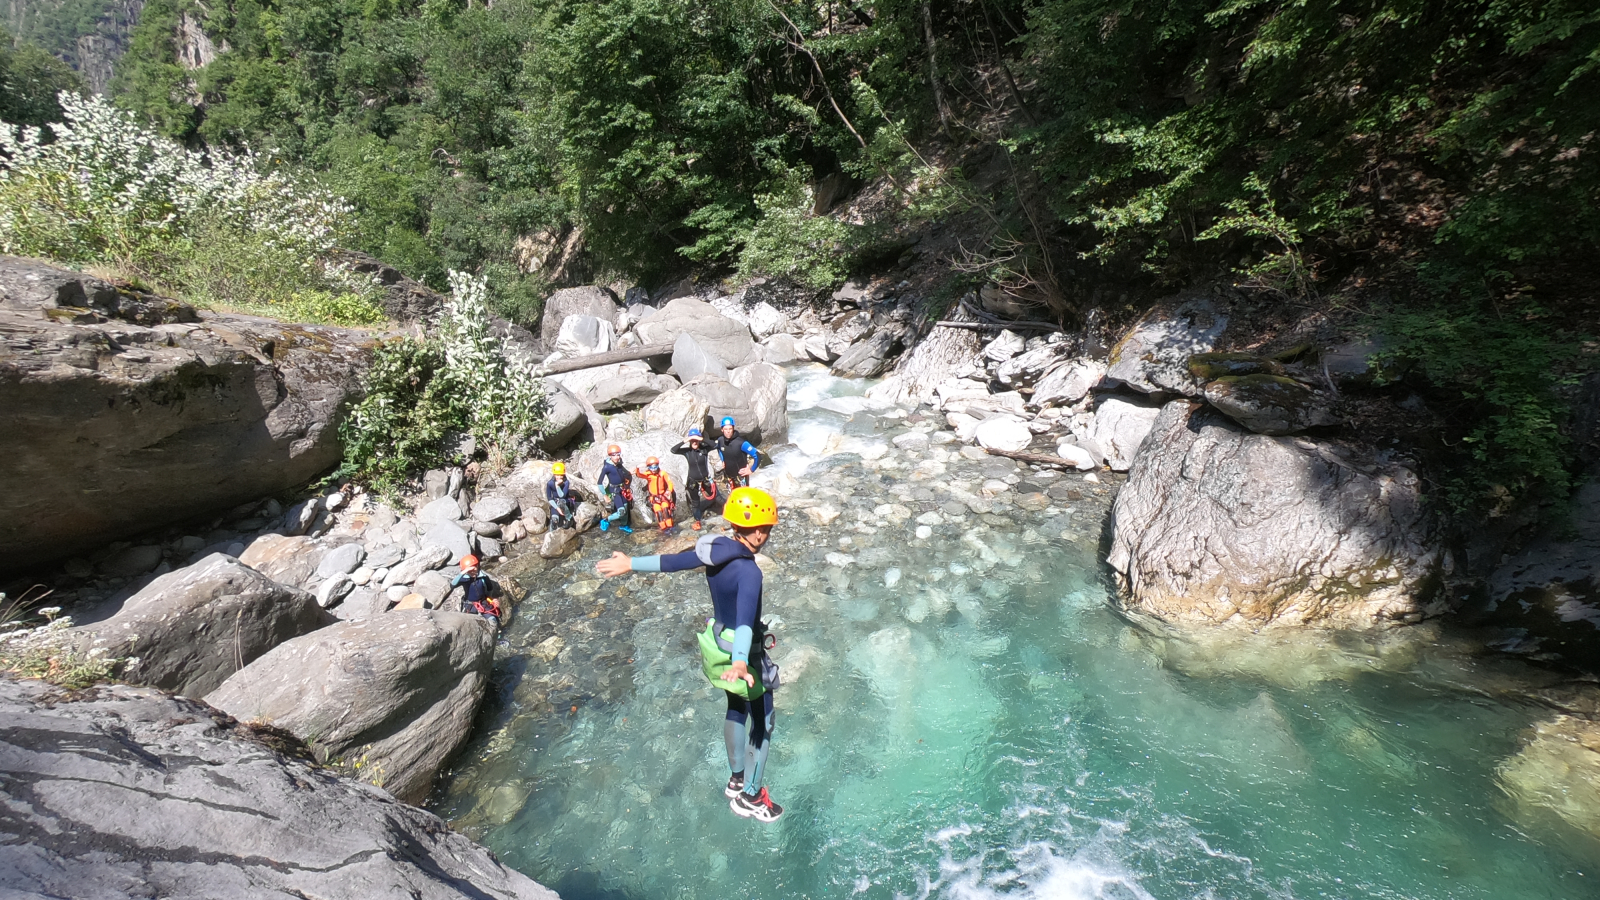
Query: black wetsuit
[734, 458]
[700, 482]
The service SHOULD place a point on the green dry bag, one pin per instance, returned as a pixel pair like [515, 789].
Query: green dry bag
[714, 661]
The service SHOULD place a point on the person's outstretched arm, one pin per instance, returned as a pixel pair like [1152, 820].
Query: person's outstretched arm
[621, 564]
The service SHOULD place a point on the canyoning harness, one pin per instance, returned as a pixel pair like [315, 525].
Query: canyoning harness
[657, 485]
[477, 600]
[614, 478]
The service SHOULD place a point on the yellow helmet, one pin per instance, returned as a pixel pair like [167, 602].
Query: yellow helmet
[558, 469]
[748, 507]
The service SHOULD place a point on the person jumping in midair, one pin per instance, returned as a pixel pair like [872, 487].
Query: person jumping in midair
[733, 648]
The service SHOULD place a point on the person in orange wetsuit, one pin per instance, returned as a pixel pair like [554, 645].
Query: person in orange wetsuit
[663, 500]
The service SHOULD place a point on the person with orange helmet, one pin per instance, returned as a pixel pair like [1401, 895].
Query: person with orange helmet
[478, 599]
[616, 485]
[559, 495]
[658, 486]
[734, 645]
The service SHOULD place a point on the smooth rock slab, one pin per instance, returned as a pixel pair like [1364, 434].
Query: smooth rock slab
[124, 792]
[1217, 525]
[287, 560]
[192, 627]
[396, 692]
[1118, 430]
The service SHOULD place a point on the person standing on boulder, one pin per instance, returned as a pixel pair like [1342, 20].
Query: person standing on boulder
[739, 457]
[702, 486]
[734, 645]
[478, 598]
[616, 484]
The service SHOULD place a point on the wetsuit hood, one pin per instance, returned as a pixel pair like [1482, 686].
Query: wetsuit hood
[715, 549]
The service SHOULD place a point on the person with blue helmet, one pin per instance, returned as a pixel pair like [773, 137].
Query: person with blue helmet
[734, 645]
[739, 457]
[702, 486]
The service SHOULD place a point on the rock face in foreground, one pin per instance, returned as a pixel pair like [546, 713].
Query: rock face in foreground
[395, 692]
[193, 628]
[1217, 525]
[126, 792]
[125, 412]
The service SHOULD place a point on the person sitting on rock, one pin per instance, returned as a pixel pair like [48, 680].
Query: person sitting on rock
[739, 457]
[478, 600]
[658, 485]
[563, 502]
[702, 486]
[616, 485]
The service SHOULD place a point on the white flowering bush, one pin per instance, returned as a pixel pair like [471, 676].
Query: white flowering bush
[421, 394]
[217, 228]
[49, 651]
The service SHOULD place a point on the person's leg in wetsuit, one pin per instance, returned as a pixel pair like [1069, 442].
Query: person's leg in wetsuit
[748, 737]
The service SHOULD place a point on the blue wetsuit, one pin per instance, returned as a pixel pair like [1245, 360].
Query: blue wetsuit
[735, 583]
[616, 479]
[563, 503]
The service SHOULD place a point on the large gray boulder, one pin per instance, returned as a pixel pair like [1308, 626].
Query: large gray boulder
[870, 357]
[617, 386]
[126, 412]
[766, 389]
[124, 792]
[395, 692]
[194, 627]
[1068, 383]
[1119, 428]
[635, 450]
[676, 411]
[291, 560]
[566, 417]
[1269, 404]
[1153, 357]
[589, 300]
[782, 350]
[691, 361]
[585, 335]
[724, 399]
[727, 340]
[1217, 525]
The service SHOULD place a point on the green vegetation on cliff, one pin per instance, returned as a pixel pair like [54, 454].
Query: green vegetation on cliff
[1435, 152]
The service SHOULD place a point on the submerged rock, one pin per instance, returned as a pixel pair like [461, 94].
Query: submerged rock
[1217, 525]
[1556, 772]
[395, 693]
[122, 791]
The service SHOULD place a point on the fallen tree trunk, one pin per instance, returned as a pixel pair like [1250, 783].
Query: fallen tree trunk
[1039, 459]
[605, 359]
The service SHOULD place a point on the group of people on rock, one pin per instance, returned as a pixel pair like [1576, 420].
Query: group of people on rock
[730, 453]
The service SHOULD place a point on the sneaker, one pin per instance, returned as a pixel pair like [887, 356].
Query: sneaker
[735, 786]
[696, 525]
[625, 529]
[760, 807]
[605, 524]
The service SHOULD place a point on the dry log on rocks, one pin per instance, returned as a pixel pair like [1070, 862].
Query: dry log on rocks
[1038, 459]
[610, 357]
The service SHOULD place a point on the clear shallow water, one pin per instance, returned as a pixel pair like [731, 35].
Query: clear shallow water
[965, 717]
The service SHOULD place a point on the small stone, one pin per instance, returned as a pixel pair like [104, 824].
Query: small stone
[891, 577]
[433, 586]
[412, 601]
[235, 549]
[189, 543]
[361, 576]
[386, 556]
[397, 593]
[487, 529]
[1034, 501]
[924, 532]
[954, 508]
[132, 561]
[839, 559]
[496, 509]
[78, 567]
[333, 501]
[1091, 478]
[824, 514]
[931, 518]
[444, 509]
[333, 590]
[341, 560]
[912, 440]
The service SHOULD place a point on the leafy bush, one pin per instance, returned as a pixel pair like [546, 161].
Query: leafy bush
[218, 229]
[788, 241]
[420, 395]
[1498, 370]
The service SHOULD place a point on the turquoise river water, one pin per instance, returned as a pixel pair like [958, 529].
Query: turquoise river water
[966, 716]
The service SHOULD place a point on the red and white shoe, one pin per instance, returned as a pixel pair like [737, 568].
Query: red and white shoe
[760, 807]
